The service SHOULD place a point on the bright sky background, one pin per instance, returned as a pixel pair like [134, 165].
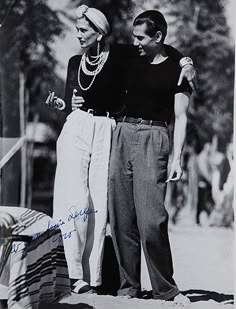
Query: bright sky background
[231, 15]
[69, 46]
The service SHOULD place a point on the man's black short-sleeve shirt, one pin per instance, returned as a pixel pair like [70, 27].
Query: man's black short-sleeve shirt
[151, 89]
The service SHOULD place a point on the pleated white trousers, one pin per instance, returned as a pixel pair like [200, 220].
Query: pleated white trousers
[83, 151]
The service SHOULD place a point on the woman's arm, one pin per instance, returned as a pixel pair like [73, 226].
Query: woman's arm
[71, 100]
[68, 90]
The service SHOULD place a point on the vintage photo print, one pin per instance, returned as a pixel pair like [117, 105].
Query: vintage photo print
[117, 154]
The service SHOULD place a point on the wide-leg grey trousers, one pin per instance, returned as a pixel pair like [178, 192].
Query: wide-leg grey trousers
[138, 171]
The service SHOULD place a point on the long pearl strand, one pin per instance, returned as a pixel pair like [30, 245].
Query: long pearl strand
[99, 62]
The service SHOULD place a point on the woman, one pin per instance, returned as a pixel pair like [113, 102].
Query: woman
[94, 89]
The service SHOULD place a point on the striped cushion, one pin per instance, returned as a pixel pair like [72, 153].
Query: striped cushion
[38, 269]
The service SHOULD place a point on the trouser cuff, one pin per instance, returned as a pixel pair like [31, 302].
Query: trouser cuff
[167, 296]
[129, 291]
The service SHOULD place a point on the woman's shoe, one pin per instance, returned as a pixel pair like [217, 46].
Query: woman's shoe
[80, 287]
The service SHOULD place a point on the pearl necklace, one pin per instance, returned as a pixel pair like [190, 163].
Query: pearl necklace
[96, 59]
[99, 62]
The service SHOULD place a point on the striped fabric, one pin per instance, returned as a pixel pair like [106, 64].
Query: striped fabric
[6, 221]
[38, 269]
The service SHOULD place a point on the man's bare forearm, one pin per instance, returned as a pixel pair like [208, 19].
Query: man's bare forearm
[179, 135]
[181, 107]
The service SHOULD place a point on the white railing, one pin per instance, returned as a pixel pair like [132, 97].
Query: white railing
[19, 142]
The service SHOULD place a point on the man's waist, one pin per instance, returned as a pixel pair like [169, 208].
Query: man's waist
[139, 120]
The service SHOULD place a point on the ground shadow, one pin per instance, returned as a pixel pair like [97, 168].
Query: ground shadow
[110, 270]
[199, 295]
[203, 295]
[65, 306]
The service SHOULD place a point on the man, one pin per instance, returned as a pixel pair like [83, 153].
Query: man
[139, 158]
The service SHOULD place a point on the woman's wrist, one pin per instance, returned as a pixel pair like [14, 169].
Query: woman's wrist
[185, 61]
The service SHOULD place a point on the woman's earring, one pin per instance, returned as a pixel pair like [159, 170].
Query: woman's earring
[98, 45]
[98, 48]
[99, 37]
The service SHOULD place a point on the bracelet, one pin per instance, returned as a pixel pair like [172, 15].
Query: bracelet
[185, 61]
[59, 104]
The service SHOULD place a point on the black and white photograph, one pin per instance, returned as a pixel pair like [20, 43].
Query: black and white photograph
[117, 154]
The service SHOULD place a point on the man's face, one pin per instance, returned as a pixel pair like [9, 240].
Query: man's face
[146, 45]
[86, 35]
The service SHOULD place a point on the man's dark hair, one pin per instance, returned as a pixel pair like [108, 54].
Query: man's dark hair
[154, 20]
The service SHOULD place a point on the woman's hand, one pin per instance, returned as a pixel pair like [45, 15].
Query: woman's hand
[76, 101]
[54, 102]
[189, 73]
[50, 101]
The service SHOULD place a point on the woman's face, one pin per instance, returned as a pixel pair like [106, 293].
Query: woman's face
[86, 34]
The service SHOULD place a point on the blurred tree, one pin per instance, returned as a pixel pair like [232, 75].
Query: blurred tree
[25, 47]
[204, 34]
[26, 38]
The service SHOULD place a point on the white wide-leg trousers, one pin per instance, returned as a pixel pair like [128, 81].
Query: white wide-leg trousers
[83, 151]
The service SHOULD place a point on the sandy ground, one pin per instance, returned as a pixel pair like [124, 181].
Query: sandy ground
[203, 263]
